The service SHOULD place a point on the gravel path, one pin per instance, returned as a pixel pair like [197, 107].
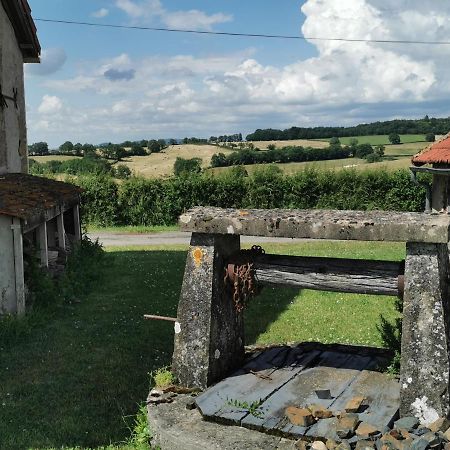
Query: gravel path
[169, 238]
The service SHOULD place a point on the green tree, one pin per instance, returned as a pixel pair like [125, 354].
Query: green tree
[183, 167]
[430, 137]
[38, 148]
[394, 138]
[66, 148]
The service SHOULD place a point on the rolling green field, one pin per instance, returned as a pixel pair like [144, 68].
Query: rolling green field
[75, 375]
[382, 139]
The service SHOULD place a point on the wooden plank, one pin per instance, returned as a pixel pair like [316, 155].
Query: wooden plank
[256, 382]
[329, 274]
[300, 391]
[382, 394]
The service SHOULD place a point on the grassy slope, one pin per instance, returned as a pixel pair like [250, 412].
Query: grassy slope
[71, 380]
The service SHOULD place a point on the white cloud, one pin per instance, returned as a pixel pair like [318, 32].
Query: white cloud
[50, 105]
[147, 10]
[102, 12]
[52, 59]
[194, 19]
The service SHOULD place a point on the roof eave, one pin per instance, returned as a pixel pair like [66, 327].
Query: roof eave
[19, 13]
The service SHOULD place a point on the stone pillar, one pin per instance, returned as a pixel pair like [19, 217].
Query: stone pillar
[425, 367]
[439, 194]
[209, 337]
[43, 244]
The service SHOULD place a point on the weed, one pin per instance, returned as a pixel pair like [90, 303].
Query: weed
[252, 408]
[163, 377]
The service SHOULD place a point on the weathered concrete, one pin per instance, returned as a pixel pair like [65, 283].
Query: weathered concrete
[8, 303]
[209, 341]
[320, 224]
[13, 138]
[425, 366]
[176, 428]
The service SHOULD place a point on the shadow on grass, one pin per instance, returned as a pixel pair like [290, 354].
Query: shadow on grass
[70, 380]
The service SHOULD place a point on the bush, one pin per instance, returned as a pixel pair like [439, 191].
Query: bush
[187, 166]
[139, 201]
[430, 137]
[373, 157]
[122, 171]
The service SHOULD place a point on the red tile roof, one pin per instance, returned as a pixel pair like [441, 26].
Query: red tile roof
[26, 196]
[436, 153]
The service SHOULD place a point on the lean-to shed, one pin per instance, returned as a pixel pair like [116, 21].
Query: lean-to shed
[41, 213]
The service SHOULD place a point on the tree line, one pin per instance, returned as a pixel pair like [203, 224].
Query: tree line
[335, 150]
[400, 126]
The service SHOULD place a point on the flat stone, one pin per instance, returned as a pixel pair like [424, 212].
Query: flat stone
[318, 445]
[353, 405]
[319, 224]
[343, 446]
[175, 428]
[366, 429]
[320, 412]
[432, 438]
[419, 444]
[407, 423]
[301, 444]
[346, 425]
[447, 434]
[301, 417]
[439, 425]
[364, 445]
[331, 444]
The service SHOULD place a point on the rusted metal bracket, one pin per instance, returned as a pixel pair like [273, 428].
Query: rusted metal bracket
[4, 97]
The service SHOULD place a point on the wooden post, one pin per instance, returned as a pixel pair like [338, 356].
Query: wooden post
[61, 231]
[209, 337]
[77, 222]
[43, 244]
[19, 269]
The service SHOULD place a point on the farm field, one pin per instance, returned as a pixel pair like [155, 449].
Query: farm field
[43, 159]
[160, 165]
[381, 139]
[333, 164]
[82, 369]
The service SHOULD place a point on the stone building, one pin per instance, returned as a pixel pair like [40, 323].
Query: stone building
[43, 214]
[435, 159]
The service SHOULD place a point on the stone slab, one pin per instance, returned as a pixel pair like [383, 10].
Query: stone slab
[176, 428]
[319, 224]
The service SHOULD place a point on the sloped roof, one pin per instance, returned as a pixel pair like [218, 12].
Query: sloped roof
[27, 197]
[436, 153]
[19, 13]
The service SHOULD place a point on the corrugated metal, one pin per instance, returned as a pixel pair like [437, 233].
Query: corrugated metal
[26, 196]
[437, 153]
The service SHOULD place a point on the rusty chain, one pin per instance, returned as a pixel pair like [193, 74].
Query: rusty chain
[242, 277]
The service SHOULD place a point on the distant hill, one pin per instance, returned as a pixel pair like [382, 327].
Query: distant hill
[399, 126]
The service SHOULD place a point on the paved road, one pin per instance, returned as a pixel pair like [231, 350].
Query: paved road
[173, 237]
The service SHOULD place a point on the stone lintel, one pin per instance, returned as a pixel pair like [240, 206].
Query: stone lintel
[319, 224]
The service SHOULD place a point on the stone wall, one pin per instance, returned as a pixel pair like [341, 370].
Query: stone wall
[13, 141]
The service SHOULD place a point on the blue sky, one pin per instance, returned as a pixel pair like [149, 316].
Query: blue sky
[96, 84]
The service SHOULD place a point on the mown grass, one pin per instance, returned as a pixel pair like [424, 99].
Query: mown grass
[71, 380]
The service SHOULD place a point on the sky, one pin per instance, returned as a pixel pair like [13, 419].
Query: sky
[110, 85]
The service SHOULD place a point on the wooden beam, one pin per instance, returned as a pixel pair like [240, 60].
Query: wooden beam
[329, 274]
[43, 244]
[18, 266]
[77, 222]
[61, 231]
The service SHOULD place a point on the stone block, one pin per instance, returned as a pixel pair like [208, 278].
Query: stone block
[425, 367]
[209, 338]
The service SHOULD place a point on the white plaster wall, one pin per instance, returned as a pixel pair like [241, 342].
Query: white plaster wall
[13, 145]
[7, 274]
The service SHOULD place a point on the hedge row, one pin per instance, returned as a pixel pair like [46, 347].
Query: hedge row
[139, 201]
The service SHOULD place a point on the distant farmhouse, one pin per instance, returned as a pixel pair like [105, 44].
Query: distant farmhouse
[37, 216]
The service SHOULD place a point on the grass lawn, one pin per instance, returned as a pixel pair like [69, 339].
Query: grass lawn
[71, 377]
